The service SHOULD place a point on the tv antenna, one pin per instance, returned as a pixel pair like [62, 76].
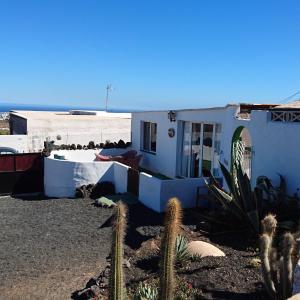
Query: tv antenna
[108, 90]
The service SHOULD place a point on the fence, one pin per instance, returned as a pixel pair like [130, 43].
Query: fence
[21, 173]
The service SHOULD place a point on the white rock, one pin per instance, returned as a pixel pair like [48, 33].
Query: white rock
[295, 297]
[204, 249]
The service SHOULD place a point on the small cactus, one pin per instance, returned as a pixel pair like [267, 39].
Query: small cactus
[172, 223]
[286, 265]
[265, 249]
[116, 281]
[269, 224]
[277, 274]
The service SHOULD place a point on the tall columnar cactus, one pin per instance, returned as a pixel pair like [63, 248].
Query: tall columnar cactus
[116, 281]
[277, 274]
[172, 223]
[287, 266]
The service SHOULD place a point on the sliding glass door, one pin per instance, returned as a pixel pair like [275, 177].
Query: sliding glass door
[196, 149]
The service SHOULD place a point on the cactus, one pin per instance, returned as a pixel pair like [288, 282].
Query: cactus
[265, 249]
[116, 281]
[287, 266]
[278, 281]
[172, 223]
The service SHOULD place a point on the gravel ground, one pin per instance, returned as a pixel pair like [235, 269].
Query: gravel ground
[49, 248]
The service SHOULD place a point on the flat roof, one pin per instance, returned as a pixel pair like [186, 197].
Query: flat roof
[295, 105]
[61, 115]
[188, 109]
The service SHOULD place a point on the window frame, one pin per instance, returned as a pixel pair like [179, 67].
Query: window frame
[142, 143]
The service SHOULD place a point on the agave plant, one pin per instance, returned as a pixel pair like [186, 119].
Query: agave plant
[240, 201]
[182, 254]
[146, 292]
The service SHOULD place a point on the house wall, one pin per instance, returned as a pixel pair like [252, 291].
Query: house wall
[17, 142]
[276, 149]
[164, 161]
[275, 144]
[17, 125]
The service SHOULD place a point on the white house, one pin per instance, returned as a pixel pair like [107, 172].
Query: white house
[181, 147]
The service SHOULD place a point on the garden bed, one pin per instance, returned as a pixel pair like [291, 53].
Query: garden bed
[231, 277]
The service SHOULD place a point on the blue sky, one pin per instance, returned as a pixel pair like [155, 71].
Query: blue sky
[157, 54]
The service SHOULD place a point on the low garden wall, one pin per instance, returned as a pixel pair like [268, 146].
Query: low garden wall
[155, 193]
[62, 177]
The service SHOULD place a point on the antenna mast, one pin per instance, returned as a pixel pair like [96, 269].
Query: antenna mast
[108, 89]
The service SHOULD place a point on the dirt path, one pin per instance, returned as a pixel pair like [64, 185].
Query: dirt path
[50, 248]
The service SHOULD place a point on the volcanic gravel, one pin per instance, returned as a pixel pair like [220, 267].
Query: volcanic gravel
[49, 248]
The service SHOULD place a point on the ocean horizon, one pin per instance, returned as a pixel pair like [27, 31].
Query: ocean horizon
[6, 107]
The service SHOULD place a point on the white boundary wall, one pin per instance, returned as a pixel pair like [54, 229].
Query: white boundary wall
[17, 142]
[87, 155]
[62, 177]
[155, 193]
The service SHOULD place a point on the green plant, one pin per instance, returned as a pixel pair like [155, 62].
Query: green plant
[277, 268]
[117, 289]
[182, 254]
[172, 223]
[146, 292]
[240, 201]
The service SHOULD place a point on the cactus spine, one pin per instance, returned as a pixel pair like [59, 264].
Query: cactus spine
[116, 287]
[278, 287]
[172, 223]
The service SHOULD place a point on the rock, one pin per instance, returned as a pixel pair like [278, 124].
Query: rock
[126, 263]
[203, 249]
[95, 290]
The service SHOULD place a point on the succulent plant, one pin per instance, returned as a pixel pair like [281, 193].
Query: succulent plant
[277, 270]
[146, 292]
[182, 254]
[172, 223]
[117, 289]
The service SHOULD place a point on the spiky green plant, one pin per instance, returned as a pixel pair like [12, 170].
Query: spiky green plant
[172, 223]
[182, 254]
[277, 273]
[116, 281]
[240, 201]
[146, 292]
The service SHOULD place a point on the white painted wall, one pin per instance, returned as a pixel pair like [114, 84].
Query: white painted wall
[87, 155]
[150, 191]
[184, 189]
[276, 149]
[18, 142]
[62, 177]
[155, 193]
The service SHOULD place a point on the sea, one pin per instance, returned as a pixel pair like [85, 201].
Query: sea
[6, 107]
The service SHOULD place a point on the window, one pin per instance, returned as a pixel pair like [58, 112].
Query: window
[149, 136]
